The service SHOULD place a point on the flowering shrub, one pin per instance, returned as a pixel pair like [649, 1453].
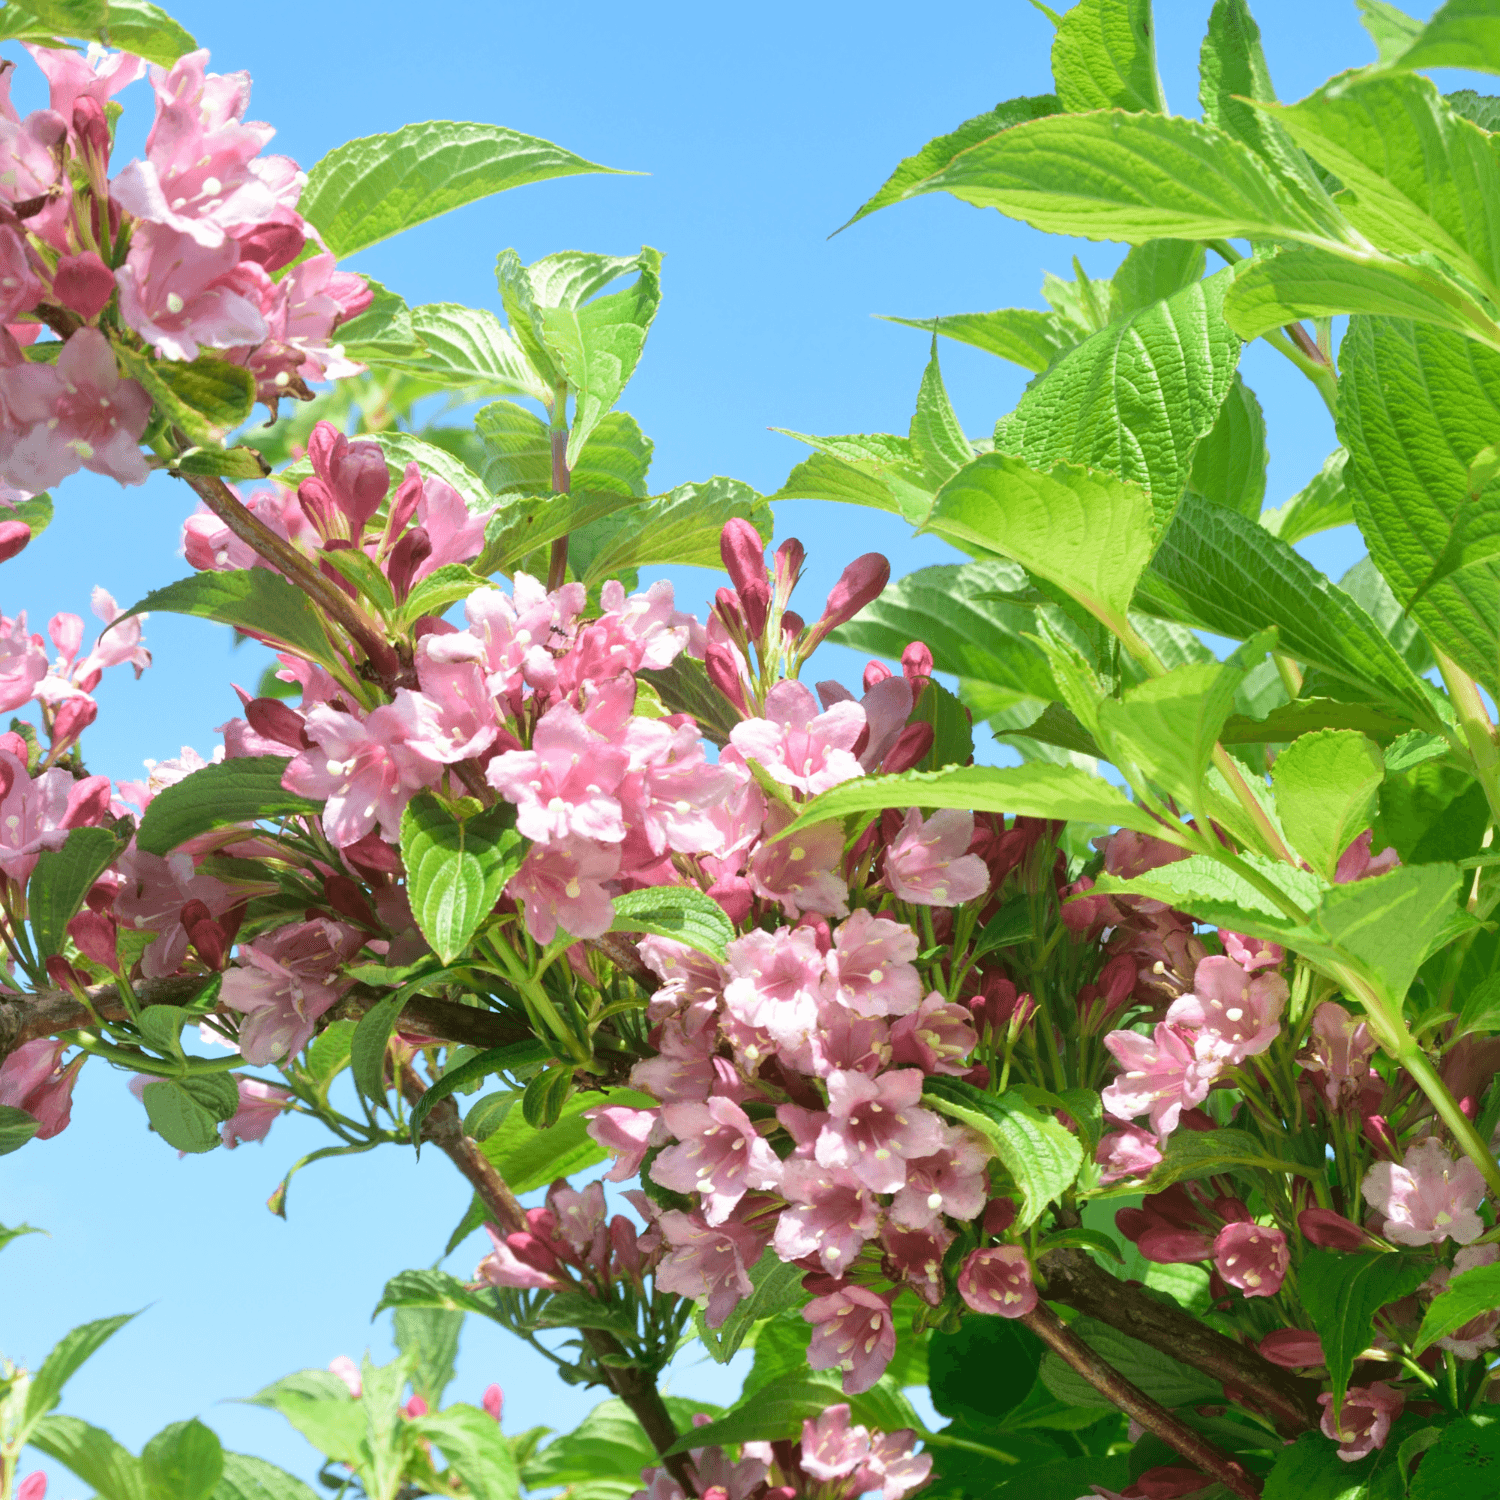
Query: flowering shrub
[1147, 1118]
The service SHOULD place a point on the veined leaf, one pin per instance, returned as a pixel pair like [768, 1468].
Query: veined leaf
[383, 331]
[1229, 465]
[477, 1451]
[187, 1112]
[680, 912]
[1468, 1295]
[249, 1478]
[777, 1287]
[60, 881]
[1104, 57]
[1326, 785]
[872, 469]
[779, 1410]
[1152, 272]
[434, 1289]
[474, 1072]
[1322, 503]
[91, 1453]
[148, 31]
[1461, 34]
[367, 190]
[1462, 1462]
[185, 1461]
[608, 1448]
[1160, 1376]
[66, 1358]
[16, 1128]
[529, 1158]
[937, 439]
[1022, 335]
[615, 459]
[1203, 1153]
[243, 790]
[1391, 29]
[467, 348]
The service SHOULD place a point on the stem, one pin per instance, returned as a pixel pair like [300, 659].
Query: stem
[1230, 770]
[1479, 732]
[562, 478]
[1134, 1402]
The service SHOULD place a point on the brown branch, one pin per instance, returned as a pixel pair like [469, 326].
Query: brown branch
[635, 1387]
[1306, 343]
[1073, 1278]
[1134, 1402]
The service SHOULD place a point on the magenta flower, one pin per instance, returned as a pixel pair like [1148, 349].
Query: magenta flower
[32, 1080]
[1252, 1257]
[832, 1215]
[870, 965]
[502, 1267]
[1162, 1076]
[561, 885]
[802, 872]
[774, 982]
[831, 1448]
[998, 1280]
[1251, 952]
[915, 1256]
[565, 785]
[1131, 1151]
[892, 1467]
[1236, 1014]
[928, 862]
[260, 1104]
[708, 1261]
[1429, 1199]
[798, 746]
[627, 1134]
[875, 1125]
[852, 1332]
[720, 1155]
[1364, 1420]
[937, 1037]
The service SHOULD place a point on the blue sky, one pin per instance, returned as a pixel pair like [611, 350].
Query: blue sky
[762, 128]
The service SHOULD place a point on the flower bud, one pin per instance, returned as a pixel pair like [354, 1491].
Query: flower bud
[910, 749]
[346, 898]
[876, 671]
[744, 555]
[274, 720]
[1293, 1349]
[403, 504]
[14, 535]
[354, 473]
[97, 938]
[75, 715]
[1330, 1231]
[416, 1407]
[83, 284]
[272, 246]
[494, 1401]
[1170, 1482]
[916, 662]
[406, 557]
[88, 803]
[787, 569]
[863, 581]
[999, 1215]
[723, 671]
[63, 975]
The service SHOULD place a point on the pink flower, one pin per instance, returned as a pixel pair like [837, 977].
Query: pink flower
[887, 705]
[565, 785]
[1428, 1199]
[301, 312]
[708, 1261]
[1252, 1257]
[627, 1134]
[348, 1372]
[502, 1267]
[682, 1070]
[915, 1256]
[281, 1004]
[1471, 1339]
[721, 1156]
[1237, 1015]
[118, 642]
[1161, 1076]
[493, 1400]
[692, 983]
[20, 290]
[1357, 863]
[1341, 1051]
[870, 965]
[513, 636]
[831, 1448]
[23, 663]
[670, 791]
[260, 1104]
[152, 898]
[832, 1215]
[29, 150]
[937, 1037]
[1128, 1152]
[892, 1467]
[1293, 1349]
[32, 1080]
[561, 885]
[928, 863]
[32, 1487]
[36, 814]
[774, 982]
[998, 1280]
[1364, 1420]
[456, 533]
[798, 746]
[454, 718]
[949, 1180]
[77, 412]
[801, 872]
[1252, 952]
[852, 1332]
[875, 1125]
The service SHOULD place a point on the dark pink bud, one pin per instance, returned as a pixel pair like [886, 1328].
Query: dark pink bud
[13, 744]
[62, 974]
[978, 1077]
[14, 535]
[787, 568]
[999, 1215]
[876, 671]
[535, 1252]
[1196, 1119]
[861, 582]
[272, 246]
[416, 1407]
[88, 802]
[205, 934]
[1330, 1231]
[916, 661]
[73, 718]
[1378, 1132]
[91, 128]
[818, 926]
[406, 557]
[1116, 981]
[373, 853]
[84, 284]
[727, 607]
[355, 473]
[744, 557]
[723, 671]
[404, 502]
[627, 1253]
[274, 720]
[316, 500]
[346, 898]
[792, 624]
[493, 1401]
[1232, 1210]
[910, 749]
[97, 938]
[1293, 1349]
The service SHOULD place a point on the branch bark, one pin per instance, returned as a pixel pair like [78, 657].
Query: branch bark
[1134, 1402]
[1073, 1278]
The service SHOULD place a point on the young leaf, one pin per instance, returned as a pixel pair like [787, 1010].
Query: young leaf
[383, 331]
[186, 1112]
[249, 1478]
[1136, 398]
[528, 522]
[91, 1453]
[777, 1287]
[876, 469]
[474, 1071]
[67, 1357]
[1152, 272]
[1088, 533]
[16, 1128]
[255, 600]
[1326, 787]
[1461, 34]
[680, 912]
[1104, 57]
[1463, 1461]
[456, 870]
[1022, 335]
[936, 154]
[205, 398]
[608, 1448]
[1468, 1295]
[367, 190]
[468, 349]
[528, 1158]
[1158, 1375]
[437, 1290]
[148, 31]
[244, 790]
[184, 1461]
[1041, 1155]
[1229, 465]
[775, 1412]
[432, 1334]
[937, 439]
[60, 881]
[1342, 1293]
[477, 1451]
[1322, 503]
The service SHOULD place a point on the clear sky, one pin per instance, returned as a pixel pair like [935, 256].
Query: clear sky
[762, 128]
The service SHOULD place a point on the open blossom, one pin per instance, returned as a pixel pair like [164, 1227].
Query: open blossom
[1471, 1339]
[281, 1005]
[1364, 1420]
[23, 663]
[928, 863]
[720, 1156]
[853, 1332]
[565, 785]
[1236, 1014]
[1341, 1049]
[1252, 1257]
[875, 1125]
[627, 1134]
[708, 1261]
[33, 1081]
[670, 791]
[562, 885]
[936, 1037]
[1358, 863]
[870, 966]
[774, 982]
[832, 1215]
[260, 1104]
[949, 1180]
[1429, 1198]
[798, 746]
[502, 1267]
[998, 1280]
[1161, 1075]
[801, 872]
[1130, 1151]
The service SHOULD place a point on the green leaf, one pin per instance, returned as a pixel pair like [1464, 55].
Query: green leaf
[66, 1358]
[1342, 1293]
[80, 18]
[937, 438]
[778, 1411]
[1136, 177]
[983, 1369]
[244, 790]
[1462, 34]
[1159, 1375]
[35, 512]
[1152, 272]
[367, 190]
[456, 870]
[184, 1461]
[1088, 533]
[254, 600]
[528, 1158]
[936, 154]
[609, 1444]
[250, 1478]
[523, 525]
[1463, 1463]
[1041, 1155]
[474, 1071]
[1392, 30]
[876, 470]
[1311, 1469]
[544, 1096]
[1222, 572]
[1204, 1153]
[318, 1404]
[148, 31]
[465, 349]
[181, 1117]
[329, 1053]
[1326, 788]
[487, 1116]
[1022, 335]
[161, 1026]
[1136, 397]
[7, 1235]
[60, 881]
[92, 1454]
[684, 688]
[1322, 503]
[777, 1287]
[205, 398]
[615, 459]
[16, 1128]
[1104, 57]
[1468, 1295]
[432, 1334]
[384, 332]
[228, 463]
[477, 1451]
[435, 1290]
[680, 912]
[371, 1039]
[1229, 465]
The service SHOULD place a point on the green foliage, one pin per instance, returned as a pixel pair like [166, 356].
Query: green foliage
[1468, 1295]
[16, 1128]
[1104, 57]
[680, 912]
[60, 881]
[244, 790]
[456, 868]
[1326, 786]
[1463, 1464]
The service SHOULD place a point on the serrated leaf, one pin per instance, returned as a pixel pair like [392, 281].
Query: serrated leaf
[1192, 1154]
[186, 1112]
[475, 1070]
[456, 870]
[1391, 29]
[680, 912]
[92, 1454]
[244, 790]
[1229, 465]
[1467, 1296]
[937, 437]
[1461, 34]
[383, 332]
[467, 349]
[365, 191]
[16, 1128]
[876, 469]
[476, 1449]
[779, 1410]
[184, 1461]
[1152, 272]
[1022, 335]
[249, 1478]
[60, 881]
[1041, 1155]
[434, 1289]
[777, 1287]
[71, 1352]
[608, 1445]
[1326, 786]
[1322, 503]
[1104, 57]
[1461, 1465]
[684, 688]
[148, 31]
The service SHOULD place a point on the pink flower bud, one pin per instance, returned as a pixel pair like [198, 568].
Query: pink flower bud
[83, 284]
[88, 803]
[1252, 1257]
[272, 246]
[32, 1487]
[348, 1372]
[91, 129]
[493, 1401]
[916, 662]
[346, 898]
[73, 718]
[876, 671]
[998, 1280]
[354, 473]
[787, 568]
[1170, 1482]
[723, 671]
[999, 1215]
[744, 557]
[403, 503]
[861, 582]
[62, 974]
[1330, 1231]
[97, 938]
[910, 749]
[406, 557]
[14, 535]
[1293, 1349]
[792, 625]
[416, 1407]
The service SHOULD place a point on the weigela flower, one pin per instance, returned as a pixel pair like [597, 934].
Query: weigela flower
[853, 1332]
[1429, 1198]
[23, 663]
[1341, 1049]
[260, 1104]
[801, 872]
[928, 861]
[1252, 1257]
[937, 1037]
[1471, 1339]
[775, 981]
[565, 785]
[1236, 1014]
[832, 1215]
[562, 885]
[798, 746]
[1364, 1420]
[998, 1280]
[875, 1125]
[709, 1261]
[33, 1081]
[1161, 1075]
[280, 992]
[502, 1267]
[1131, 1151]
[949, 1180]
[627, 1134]
[870, 967]
[720, 1156]
[1358, 863]
[915, 1256]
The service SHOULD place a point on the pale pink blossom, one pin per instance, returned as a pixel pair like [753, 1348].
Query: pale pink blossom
[774, 982]
[627, 1134]
[281, 1002]
[502, 1267]
[948, 1180]
[1236, 1014]
[893, 1467]
[300, 313]
[887, 705]
[1252, 1257]
[71, 76]
[1341, 1049]
[670, 790]
[1130, 1151]
[562, 885]
[870, 967]
[1364, 1420]
[34, 813]
[875, 1125]
[1160, 1076]
[927, 862]
[1358, 863]
[23, 663]
[720, 1156]
[1429, 1198]
[915, 1256]
[801, 872]
[998, 1280]
[456, 719]
[831, 1448]
[798, 746]
[1471, 1339]
[515, 637]
[708, 1261]
[29, 149]
[937, 1037]
[853, 1332]
[349, 1373]
[260, 1104]
[831, 1215]
[842, 1041]
[20, 289]
[1251, 952]
[33, 1080]
[565, 785]
[692, 983]
[682, 1071]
